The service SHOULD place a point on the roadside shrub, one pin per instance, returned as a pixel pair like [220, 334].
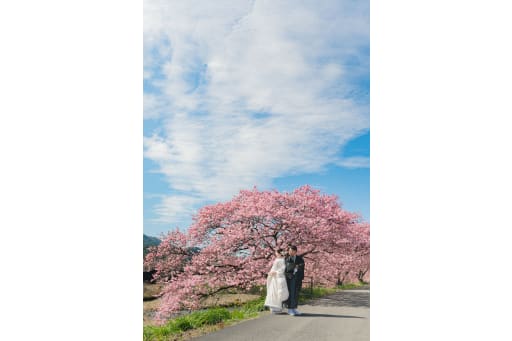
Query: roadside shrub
[210, 316]
[182, 323]
[255, 306]
[214, 316]
[147, 334]
[156, 333]
[237, 315]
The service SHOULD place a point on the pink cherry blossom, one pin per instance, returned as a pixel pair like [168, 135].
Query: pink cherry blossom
[232, 244]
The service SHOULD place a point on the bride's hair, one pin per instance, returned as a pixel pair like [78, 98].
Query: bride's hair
[280, 251]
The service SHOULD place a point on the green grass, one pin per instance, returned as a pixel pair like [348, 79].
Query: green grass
[153, 333]
[306, 294]
[254, 305]
[238, 314]
[350, 285]
[207, 317]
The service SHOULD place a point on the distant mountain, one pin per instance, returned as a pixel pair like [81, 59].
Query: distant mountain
[150, 241]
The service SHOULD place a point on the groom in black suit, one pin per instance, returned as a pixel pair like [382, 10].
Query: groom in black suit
[294, 272]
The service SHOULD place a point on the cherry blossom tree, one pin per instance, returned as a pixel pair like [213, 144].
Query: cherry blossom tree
[170, 256]
[237, 240]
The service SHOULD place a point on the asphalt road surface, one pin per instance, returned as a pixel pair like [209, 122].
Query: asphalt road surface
[344, 315]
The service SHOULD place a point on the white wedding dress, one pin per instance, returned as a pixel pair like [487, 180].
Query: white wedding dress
[277, 290]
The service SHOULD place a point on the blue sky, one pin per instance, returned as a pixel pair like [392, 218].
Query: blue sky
[253, 93]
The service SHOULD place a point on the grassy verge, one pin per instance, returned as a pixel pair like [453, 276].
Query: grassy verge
[352, 285]
[317, 292]
[307, 294]
[176, 329]
[228, 299]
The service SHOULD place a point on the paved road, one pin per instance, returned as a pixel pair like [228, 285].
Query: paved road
[344, 315]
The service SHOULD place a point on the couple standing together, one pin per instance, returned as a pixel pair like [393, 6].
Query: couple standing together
[284, 281]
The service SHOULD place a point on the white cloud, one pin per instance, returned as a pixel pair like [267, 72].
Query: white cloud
[250, 91]
[355, 162]
[174, 208]
[154, 106]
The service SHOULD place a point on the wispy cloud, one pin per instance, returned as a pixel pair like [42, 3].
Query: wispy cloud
[175, 208]
[248, 91]
[354, 162]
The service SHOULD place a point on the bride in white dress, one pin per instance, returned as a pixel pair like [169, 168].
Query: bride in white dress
[277, 290]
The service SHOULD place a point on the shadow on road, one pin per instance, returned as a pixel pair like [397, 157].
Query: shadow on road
[329, 315]
[344, 298]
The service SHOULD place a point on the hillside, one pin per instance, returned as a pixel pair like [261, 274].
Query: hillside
[150, 241]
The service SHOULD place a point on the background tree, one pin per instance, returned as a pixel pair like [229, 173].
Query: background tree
[170, 256]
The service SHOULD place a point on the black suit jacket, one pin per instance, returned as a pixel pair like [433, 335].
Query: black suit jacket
[290, 265]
